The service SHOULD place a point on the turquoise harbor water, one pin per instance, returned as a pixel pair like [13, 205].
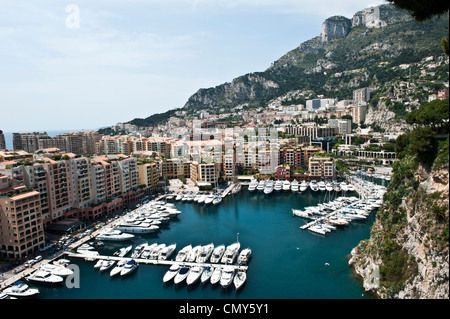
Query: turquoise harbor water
[287, 262]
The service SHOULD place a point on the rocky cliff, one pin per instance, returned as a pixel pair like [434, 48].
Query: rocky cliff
[407, 256]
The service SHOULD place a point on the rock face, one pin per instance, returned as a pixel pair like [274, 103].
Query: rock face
[420, 238]
[335, 28]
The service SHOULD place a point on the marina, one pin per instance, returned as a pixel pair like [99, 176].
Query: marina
[272, 232]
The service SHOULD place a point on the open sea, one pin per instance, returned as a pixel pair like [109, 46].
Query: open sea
[287, 262]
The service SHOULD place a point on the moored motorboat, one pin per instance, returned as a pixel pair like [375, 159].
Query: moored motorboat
[204, 253]
[286, 185]
[231, 253]
[45, 277]
[217, 200]
[57, 270]
[244, 256]
[129, 267]
[107, 264]
[239, 279]
[138, 250]
[114, 235]
[227, 276]
[21, 289]
[166, 252]
[171, 273]
[182, 274]
[118, 268]
[192, 256]
[194, 275]
[216, 275]
[268, 188]
[217, 254]
[322, 186]
[183, 253]
[209, 199]
[278, 186]
[253, 184]
[122, 252]
[294, 186]
[206, 274]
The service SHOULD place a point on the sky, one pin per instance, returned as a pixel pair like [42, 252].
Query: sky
[86, 64]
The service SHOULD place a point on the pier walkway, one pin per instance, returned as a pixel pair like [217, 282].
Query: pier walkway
[157, 262]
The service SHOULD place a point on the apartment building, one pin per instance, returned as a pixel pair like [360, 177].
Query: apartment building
[28, 142]
[35, 176]
[148, 176]
[174, 167]
[204, 172]
[311, 130]
[322, 168]
[2, 141]
[21, 224]
[298, 157]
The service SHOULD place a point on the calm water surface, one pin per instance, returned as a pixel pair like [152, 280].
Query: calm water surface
[287, 262]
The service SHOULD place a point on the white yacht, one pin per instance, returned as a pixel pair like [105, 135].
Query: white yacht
[329, 187]
[129, 267]
[206, 274]
[261, 185]
[171, 273]
[336, 187]
[122, 252]
[322, 186]
[179, 197]
[343, 186]
[61, 271]
[194, 275]
[114, 235]
[216, 275]
[303, 186]
[107, 264]
[45, 277]
[182, 274]
[268, 188]
[205, 253]
[156, 251]
[166, 252]
[239, 279]
[21, 289]
[217, 200]
[231, 253]
[137, 227]
[209, 199]
[286, 185]
[244, 256]
[227, 276]
[278, 186]
[350, 188]
[192, 256]
[313, 186]
[294, 186]
[138, 250]
[197, 197]
[202, 199]
[217, 254]
[148, 250]
[253, 184]
[183, 253]
[118, 268]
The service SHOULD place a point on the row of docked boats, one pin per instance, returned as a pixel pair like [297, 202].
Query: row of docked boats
[225, 276]
[268, 186]
[200, 198]
[326, 217]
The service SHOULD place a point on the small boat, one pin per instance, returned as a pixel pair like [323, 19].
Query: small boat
[129, 267]
[209, 199]
[179, 197]
[239, 279]
[216, 275]
[350, 188]
[294, 186]
[278, 186]
[227, 276]
[122, 252]
[202, 199]
[328, 187]
[84, 247]
[182, 274]
[107, 264]
[286, 185]
[268, 189]
[183, 253]
[204, 253]
[261, 185]
[313, 186]
[116, 270]
[322, 186]
[166, 252]
[244, 256]
[194, 275]
[21, 289]
[236, 189]
[217, 200]
[171, 273]
[45, 277]
[303, 186]
[217, 254]
[253, 184]
[206, 274]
